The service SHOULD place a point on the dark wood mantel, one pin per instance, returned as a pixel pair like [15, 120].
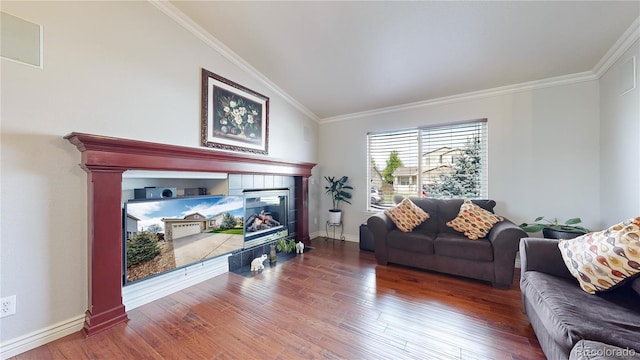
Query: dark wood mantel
[105, 159]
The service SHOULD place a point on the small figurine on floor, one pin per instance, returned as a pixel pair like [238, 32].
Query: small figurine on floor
[257, 263]
[299, 247]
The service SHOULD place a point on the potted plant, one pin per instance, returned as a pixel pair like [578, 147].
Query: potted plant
[285, 245]
[337, 188]
[555, 230]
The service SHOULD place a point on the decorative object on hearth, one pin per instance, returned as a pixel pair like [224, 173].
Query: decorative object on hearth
[273, 257]
[282, 259]
[257, 263]
[299, 247]
[337, 188]
[233, 117]
[285, 245]
[555, 230]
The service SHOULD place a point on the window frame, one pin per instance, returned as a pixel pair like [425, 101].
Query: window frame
[461, 127]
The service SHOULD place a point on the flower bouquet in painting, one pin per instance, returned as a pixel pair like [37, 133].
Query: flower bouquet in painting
[233, 116]
[237, 117]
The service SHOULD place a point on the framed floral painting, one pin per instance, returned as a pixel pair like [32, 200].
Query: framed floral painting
[233, 116]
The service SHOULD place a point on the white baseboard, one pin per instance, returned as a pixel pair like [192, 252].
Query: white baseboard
[40, 337]
[133, 295]
[137, 294]
[347, 237]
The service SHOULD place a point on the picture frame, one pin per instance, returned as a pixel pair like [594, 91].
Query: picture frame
[234, 117]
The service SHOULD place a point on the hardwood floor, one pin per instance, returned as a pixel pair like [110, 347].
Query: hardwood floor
[334, 302]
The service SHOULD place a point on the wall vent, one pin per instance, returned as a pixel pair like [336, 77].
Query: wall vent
[20, 40]
[627, 75]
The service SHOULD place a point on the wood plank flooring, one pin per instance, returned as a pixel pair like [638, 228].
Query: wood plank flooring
[334, 302]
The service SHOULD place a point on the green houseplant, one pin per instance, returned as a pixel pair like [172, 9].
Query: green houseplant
[285, 245]
[338, 190]
[554, 229]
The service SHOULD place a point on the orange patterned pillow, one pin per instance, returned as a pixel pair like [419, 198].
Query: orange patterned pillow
[604, 259]
[407, 215]
[474, 221]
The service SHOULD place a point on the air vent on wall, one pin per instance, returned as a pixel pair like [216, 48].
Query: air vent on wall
[20, 40]
[627, 75]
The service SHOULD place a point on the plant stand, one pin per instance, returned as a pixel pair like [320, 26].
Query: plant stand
[333, 227]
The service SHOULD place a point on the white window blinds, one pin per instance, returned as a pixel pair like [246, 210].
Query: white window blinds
[444, 161]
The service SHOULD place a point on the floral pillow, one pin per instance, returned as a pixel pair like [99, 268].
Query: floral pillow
[407, 215]
[604, 259]
[473, 221]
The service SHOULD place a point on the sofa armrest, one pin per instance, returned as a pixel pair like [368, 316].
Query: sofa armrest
[504, 237]
[380, 225]
[543, 255]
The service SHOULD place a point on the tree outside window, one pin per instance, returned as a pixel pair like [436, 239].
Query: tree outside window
[445, 161]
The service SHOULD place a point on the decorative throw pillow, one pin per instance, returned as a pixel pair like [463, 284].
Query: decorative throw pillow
[604, 259]
[474, 221]
[407, 215]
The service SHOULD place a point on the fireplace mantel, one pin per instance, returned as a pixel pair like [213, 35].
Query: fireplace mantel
[105, 159]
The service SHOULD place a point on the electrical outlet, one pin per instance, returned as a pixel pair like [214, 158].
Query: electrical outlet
[7, 306]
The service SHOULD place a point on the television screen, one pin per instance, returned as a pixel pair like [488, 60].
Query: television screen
[161, 235]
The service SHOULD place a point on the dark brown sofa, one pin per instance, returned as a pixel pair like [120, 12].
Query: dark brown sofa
[570, 323]
[435, 246]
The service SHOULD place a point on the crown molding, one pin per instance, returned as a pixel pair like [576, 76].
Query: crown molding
[179, 17]
[628, 38]
[474, 95]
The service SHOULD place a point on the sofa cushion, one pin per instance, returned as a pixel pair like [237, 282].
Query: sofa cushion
[474, 221]
[604, 259]
[412, 241]
[430, 206]
[448, 209]
[406, 215]
[569, 314]
[458, 246]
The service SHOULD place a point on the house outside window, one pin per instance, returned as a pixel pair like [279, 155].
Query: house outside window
[444, 161]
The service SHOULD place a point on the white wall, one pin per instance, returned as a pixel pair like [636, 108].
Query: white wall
[620, 148]
[543, 151]
[120, 69]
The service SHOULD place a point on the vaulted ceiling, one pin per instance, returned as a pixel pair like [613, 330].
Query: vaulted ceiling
[336, 58]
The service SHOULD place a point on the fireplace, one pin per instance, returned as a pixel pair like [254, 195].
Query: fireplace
[106, 158]
[265, 216]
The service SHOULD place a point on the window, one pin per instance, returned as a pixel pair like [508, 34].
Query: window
[444, 161]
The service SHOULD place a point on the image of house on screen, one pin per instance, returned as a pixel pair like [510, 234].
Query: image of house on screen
[191, 224]
[131, 226]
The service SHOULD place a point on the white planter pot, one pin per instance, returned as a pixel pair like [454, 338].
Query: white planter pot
[335, 216]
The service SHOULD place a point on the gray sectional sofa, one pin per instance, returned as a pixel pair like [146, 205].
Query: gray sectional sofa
[570, 323]
[435, 246]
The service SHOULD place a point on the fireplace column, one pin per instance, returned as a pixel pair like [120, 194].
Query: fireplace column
[302, 209]
[104, 250]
